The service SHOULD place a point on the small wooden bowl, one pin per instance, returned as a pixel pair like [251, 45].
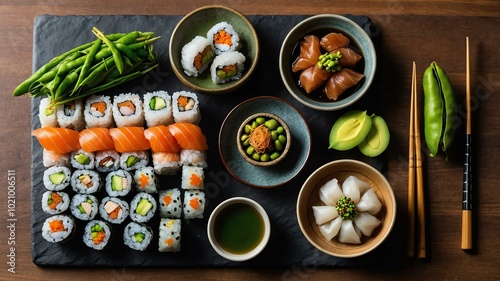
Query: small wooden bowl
[241, 148]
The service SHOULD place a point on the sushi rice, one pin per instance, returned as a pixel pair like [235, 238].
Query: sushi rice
[166, 163]
[170, 203]
[197, 55]
[145, 180]
[86, 181]
[98, 112]
[52, 158]
[142, 207]
[192, 177]
[137, 236]
[134, 160]
[194, 204]
[84, 206]
[56, 178]
[169, 235]
[58, 228]
[185, 107]
[224, 38]
[97, 234]
[128, 110]
[190, 157]
[54, 202]
[227, 66]
[107, 161]
[158, 109]
[47, 114]
[70, 115]
[82, 160]
[114, 210]
[118, 183]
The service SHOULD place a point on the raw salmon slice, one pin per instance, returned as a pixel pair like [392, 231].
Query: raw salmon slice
[60, 140]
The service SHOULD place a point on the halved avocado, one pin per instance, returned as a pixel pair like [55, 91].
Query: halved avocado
[350, 130]
[378, 138]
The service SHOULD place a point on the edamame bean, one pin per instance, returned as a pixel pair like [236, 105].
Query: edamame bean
[271, 124]
[282, 139]
[260, 120]
[449, 107]
[244, 137]
[264, 157]
[280, 130]
[274, 155]
[256, 156]
[278, 145]
[248, 129]
[274, 135]
[254, 125]
[250, 150]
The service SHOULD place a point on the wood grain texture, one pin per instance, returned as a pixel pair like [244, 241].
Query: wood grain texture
[419, 31]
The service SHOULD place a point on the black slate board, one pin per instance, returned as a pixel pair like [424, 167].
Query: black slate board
[287, 247]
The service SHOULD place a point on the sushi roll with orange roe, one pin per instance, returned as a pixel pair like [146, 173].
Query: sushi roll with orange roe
[98, 112]
[224, 38]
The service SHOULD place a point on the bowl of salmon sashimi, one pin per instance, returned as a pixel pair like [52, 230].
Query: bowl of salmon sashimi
[327, 62]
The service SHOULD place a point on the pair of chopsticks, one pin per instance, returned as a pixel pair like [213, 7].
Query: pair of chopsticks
[415, 178]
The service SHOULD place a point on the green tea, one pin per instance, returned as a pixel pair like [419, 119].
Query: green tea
[239, 228]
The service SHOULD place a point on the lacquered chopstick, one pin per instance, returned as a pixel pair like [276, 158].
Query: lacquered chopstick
[411, 169]
[467, 187]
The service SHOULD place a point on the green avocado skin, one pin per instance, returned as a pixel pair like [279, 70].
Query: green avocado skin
[378, 130]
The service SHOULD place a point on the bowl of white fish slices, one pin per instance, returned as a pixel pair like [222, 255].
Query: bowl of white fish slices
[346, 208]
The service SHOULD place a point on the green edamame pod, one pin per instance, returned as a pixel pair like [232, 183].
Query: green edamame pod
[449, 108]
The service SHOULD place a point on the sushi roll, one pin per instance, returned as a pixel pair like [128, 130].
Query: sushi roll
[190, 157]
[98, 112]
[197, 55]
[51, 158]
[158, 108]
[170, 203]
[192, 177]
[56, 178]
[86, 181]
[107, 161]
[142, 207]
[128, 110]
[118, 183]
[97, 234]
[194, 204]
[47, 114]
[58, 228]
[166, 164]
[114, 210]
[84, 206]
[134, 160]
[227, 66]
[145, 180]
[169, 235]
[185, 107]
[70, 115]
[137, 236]
[54, 202]
[224, 38]
[82, 160]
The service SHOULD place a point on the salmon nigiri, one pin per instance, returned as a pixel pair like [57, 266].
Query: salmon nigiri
[333, 41]
[309, 53]
[128, 139]
[96, 139]
[341, 81]
[60, 140]
[161, 140]
[189, 136]
[312, 78]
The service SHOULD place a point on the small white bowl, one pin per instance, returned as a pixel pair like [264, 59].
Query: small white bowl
[244, 256]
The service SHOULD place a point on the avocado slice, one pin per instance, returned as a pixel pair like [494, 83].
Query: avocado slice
[82, 159]
[131, 161]
[139, 237]
[157, 103]
[378, 138]
[350, 130]
[116, 183]
[143, 207]
[57, 178]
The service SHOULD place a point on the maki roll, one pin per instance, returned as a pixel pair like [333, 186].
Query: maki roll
[224, 38]
[118, 183]
[197, 55]
[58, 228]
[54, 202]
[137, 236]
[194, 204]
[70, 115]
[84, 206]
[186, 107]
[169, 235]
[97, 234]
[81, 159]
[107, 161]
[190, 157]
[166, 163]
[134, 160]
[170, 203]
[98, 112]
[142, 207]
[128, 110]
[86, 181]
[56, 178]
[114, 210]
[47, 114]
[158, 108]
[52, 158]
[145, 180]
[192, 177]
[227, 66]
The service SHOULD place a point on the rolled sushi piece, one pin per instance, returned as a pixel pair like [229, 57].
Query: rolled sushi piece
[197, 55]
[55, 202]
[158, 108]
[56, 178]
[58, 228]
[137, 236]
[82, 160]
[118, 183]
[47, 114]
[86, 181]
[97, 234]
[185, 107]
[169, 235]
[70, 115]
[146, 180]
[190, 157]
[224, 38]
[192, 177]
[142, 207]
[51, 158]
[128, 110]
[170, 203]
[98, 112]
[113, 209]
[166, 163]
[194, 204]
[134, 160]
[227, 66]
[107, 161]
[84, 206]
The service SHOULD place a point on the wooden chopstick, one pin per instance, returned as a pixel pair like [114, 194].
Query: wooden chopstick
[411, 169]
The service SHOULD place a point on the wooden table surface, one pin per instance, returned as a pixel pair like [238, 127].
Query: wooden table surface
[419, 31]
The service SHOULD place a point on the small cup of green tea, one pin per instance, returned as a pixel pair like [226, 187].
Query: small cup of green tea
[238, 229]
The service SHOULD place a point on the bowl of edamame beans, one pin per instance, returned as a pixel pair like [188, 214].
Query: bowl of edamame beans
[264, 139]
